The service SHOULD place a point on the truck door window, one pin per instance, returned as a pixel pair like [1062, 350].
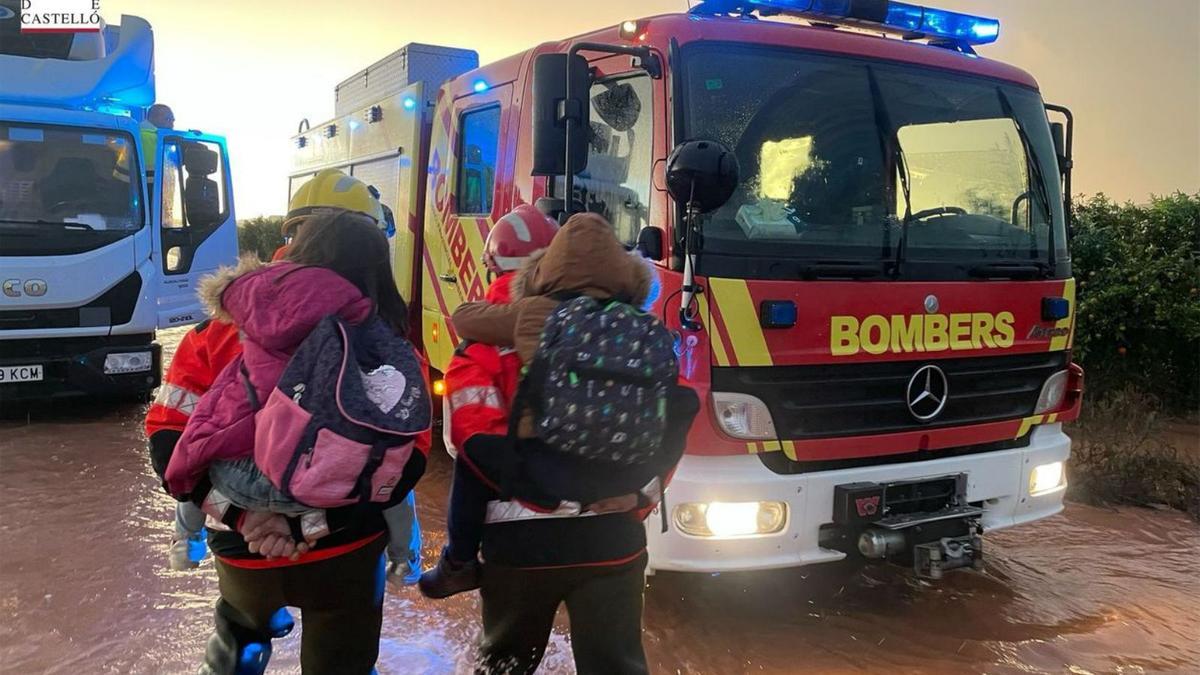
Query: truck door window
[616, 183]
[193, 202]
[478, 148]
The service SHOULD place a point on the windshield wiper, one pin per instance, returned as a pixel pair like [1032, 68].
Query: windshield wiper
[59, 223]
[1015, 270]
[839, 269]
[1034, 166]
[889, 143]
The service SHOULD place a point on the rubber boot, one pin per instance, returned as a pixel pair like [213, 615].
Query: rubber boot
[235, 649]
[448, 578]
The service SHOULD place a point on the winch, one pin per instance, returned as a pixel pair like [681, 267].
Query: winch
[926, 523]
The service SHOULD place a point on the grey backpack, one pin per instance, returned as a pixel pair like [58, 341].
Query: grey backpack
[598, 383]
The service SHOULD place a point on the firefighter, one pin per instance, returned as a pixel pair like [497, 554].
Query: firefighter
[206, 349]
[535, 560]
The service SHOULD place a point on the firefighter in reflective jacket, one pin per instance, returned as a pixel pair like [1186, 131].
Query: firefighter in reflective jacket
[536, 559]
[201, 355]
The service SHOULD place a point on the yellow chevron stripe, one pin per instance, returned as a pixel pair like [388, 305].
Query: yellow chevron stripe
[771, 446]
[789, 449]
[1060, 343]
[752, 448]
[741, 321]
[1027, 424]
[714, 336]
[1052, 419]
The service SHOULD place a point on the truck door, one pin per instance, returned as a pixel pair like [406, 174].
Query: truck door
[470, 190]
[195, 227]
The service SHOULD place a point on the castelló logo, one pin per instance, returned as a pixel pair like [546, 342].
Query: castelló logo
[60, 16]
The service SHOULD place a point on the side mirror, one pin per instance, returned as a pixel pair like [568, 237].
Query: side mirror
[650, 243]
[1059, 135]
[702, 175]
[553, 112]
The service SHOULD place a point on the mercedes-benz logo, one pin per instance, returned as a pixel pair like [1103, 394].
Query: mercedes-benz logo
[931, 304]
[927, 392]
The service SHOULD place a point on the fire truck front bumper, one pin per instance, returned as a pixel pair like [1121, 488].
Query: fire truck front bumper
[732, 513]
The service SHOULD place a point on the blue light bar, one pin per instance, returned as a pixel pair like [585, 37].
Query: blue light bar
[940, 23]
[912, 20]
[479, 86]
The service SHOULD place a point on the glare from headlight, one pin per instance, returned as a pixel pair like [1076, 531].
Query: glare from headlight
[730, 519]
[743, 416]
[1046, 478]
[1053, 392]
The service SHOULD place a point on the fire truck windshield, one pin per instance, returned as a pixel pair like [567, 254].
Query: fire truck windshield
[66, 189]
[902, 171]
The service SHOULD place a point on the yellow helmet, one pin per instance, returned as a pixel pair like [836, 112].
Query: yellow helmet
[333, 189]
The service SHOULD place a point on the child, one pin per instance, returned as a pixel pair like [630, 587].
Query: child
[585, 258]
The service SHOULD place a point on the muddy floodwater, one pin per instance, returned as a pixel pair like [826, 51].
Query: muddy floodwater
[84, 586]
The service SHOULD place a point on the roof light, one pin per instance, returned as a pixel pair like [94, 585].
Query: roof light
[632, 30]
[941, 23]
[914, 20]
[409, 103]
[479, 86]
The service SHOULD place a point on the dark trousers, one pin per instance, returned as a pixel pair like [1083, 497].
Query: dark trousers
[603, 603]
[469, 497]
[340, 601]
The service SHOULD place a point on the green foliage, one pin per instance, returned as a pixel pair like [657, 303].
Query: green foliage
[1138, 287]
[260, 236]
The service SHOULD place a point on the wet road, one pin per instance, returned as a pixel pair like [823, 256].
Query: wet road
[84, 587]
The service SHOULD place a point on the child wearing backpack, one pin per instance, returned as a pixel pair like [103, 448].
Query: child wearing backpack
[330, 403]
[587, 422]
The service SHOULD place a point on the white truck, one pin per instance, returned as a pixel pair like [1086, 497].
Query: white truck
[96, 254]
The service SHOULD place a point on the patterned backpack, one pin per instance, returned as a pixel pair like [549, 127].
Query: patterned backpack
[340, 426]
[598, 383]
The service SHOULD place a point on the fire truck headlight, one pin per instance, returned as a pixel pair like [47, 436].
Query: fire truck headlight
[1046, 478]
[1053, 392]
[724, 520]
[743, 416]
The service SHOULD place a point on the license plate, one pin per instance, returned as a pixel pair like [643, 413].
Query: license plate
[31, 373]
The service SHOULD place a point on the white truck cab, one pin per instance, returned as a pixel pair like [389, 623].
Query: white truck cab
[97, 251]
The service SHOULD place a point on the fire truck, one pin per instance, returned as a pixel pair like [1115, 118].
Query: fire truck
[878, 319]
[95, 256]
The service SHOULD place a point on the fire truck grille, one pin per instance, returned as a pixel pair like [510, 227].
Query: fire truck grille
[870, 398]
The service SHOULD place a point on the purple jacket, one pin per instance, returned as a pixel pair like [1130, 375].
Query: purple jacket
[275, 307]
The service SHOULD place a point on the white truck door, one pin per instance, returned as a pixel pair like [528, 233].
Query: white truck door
[195, 227]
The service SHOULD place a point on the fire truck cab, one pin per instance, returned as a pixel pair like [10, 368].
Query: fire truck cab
[878, 321]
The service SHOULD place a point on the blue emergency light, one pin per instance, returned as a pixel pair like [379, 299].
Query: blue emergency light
[480, 86]
[1055, 309]
[911, 20]
[777, 314]
[409, 103]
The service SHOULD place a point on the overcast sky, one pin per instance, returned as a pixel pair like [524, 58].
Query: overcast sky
[250, 70]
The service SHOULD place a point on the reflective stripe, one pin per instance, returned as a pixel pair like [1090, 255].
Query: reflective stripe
[488, 396]
[653, 491]
[505, 512]
[177, 398]
[215, 505]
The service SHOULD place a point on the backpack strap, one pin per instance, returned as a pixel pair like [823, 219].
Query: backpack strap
[362, 487]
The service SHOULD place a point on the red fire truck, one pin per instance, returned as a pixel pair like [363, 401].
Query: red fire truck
[879, 319]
